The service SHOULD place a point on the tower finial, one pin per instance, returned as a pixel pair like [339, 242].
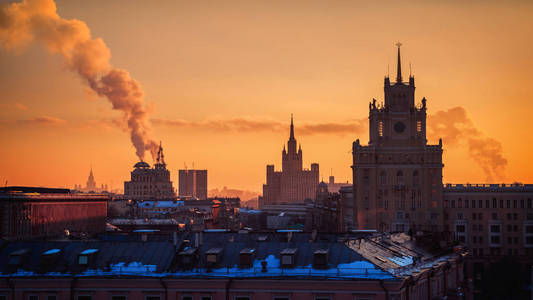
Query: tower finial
[399, 70]
[292, 129]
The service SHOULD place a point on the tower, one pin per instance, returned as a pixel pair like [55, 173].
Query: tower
[91, 183]
[291, 159]
[398, 176]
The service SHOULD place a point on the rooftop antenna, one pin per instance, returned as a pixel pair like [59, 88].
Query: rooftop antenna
[410, 69]
[388, 69]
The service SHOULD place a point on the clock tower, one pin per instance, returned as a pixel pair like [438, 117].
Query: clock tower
[398, 176]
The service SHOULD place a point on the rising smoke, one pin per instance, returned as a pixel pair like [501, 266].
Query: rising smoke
[37, 20]
[456, 128]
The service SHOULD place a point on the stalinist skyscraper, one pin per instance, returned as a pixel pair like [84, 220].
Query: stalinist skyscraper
[293, 184]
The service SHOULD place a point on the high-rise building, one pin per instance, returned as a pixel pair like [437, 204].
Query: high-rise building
[193, 183]
[91, 186]
[293, 184]
[398, 176]
[150, 183]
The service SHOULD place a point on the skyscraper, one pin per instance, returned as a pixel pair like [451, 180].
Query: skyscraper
[193, 183]
[293, 184]
[398, 176]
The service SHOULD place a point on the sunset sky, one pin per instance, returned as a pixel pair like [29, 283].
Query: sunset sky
[221, 79]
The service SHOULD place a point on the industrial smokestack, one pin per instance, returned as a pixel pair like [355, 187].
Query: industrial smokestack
[30, 21]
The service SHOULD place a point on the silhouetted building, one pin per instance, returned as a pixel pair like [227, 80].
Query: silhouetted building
[27, 212]
[220, 265]
[397, 177]
[293, 184]
[193, 183]
[91, 186]
[150, 183]
[334, 187]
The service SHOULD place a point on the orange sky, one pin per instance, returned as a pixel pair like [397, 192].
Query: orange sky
[203, 64]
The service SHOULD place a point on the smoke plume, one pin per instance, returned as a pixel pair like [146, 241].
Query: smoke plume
[37, 20]
[455, 128]
[268, 125]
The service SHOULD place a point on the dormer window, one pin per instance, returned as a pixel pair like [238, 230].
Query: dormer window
[246, 257]
[85, 256]
[213, 255]
[188, 256]
[288, 257]
[320, 258]
[16, 257]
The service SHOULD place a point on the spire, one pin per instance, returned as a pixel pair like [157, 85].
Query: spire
[399, 70]
[292, 129]
[160, 155]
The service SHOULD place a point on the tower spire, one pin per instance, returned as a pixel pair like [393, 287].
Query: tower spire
[399, 69]
[292, 129]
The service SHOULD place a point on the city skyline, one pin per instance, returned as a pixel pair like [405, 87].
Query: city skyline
[225, 93]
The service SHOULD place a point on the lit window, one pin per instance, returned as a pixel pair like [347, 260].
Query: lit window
[380, 128]
[419, 126]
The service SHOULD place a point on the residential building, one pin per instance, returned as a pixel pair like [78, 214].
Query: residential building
[193, 183]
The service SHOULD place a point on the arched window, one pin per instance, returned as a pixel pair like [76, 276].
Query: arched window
[399, 178]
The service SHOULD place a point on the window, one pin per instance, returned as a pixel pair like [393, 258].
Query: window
[82, 259]
[460, 228]
[116, 297]
[242, 297]
[473, 216]
[383, 178]
[33, 297]
[466, 203]
[2, 297]
[322, 298]
[416, 180]
[495, 216]
[281, 298]
[480, 204]
[85, 297]
[460, 203]
[205, 298]
[419, 126]
[152, 297]
[480, 216]
[51, 297]
[380, 128]
[508, 203]
[495, 239]
[399, 178]
[494, 228]
[494, 203]
[188, 297]
[473, 203]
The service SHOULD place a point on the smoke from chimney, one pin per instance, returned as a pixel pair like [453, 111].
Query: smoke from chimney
[37, 20]
[455, 128]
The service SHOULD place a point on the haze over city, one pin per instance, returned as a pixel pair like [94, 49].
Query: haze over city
[221, 80]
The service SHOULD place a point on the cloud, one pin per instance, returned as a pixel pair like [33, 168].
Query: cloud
[44, 120]
[260, 124]
[13, 106]
[456, 129]
[30, 21]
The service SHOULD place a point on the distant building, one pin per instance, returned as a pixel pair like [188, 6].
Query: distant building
[334, 187]
[193, 183]
[150, 183]
[293, 184]
[91, 186]
[27, 212]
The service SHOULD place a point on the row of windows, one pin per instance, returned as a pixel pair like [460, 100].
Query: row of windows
[502, 203]
[158, 297]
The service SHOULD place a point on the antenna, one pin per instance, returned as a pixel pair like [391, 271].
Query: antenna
[388, 69]
[409, 69]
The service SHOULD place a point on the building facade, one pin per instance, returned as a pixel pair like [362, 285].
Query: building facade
[292, 184]
[193, 183]
[91, 186]
[150, 183]
[27, 212]
[398, 176]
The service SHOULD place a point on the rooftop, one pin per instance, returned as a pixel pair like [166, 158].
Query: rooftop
[346, 256]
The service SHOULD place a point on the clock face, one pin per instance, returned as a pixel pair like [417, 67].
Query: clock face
[399, 127]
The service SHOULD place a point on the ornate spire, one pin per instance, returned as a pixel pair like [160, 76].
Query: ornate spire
[292, 129]
[399, 69]
[160, 155]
